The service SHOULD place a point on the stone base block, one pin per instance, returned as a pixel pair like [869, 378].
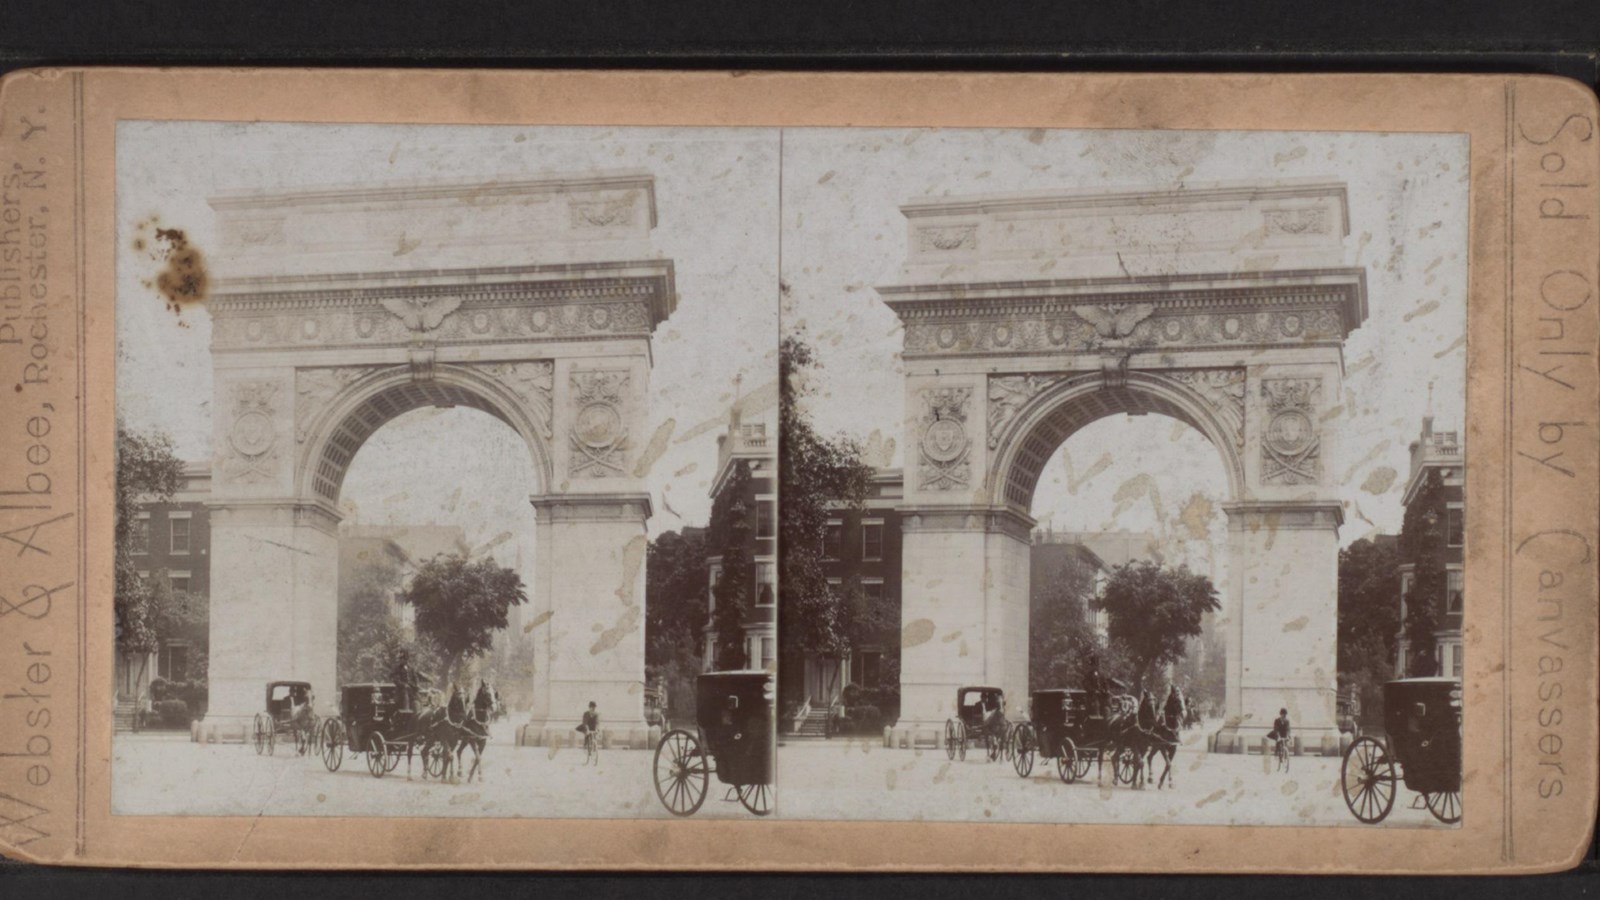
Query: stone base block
[221, 730]
[1253, 739]
[914, 735]
[633, 737]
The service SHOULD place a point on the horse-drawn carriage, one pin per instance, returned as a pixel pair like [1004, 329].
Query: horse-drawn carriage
[1063, 727]
[1422, 724]
[372, 720]
[733, 738]
[980, 719]
[289, 712]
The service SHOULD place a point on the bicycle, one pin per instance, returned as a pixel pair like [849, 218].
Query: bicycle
[1280, 752]
[591, 749]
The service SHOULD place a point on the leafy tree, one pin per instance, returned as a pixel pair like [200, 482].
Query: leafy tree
[1060, 635]
[1153, 612]
[731, 534]
[1369, 617]
[814, 471]
[147, 472]
[370, 638]
[1422, 544]
[460, 605]
[676, 576]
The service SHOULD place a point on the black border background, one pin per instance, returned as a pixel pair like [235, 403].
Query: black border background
[1554, 37]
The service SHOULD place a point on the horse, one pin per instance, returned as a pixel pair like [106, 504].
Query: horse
[1162, 739]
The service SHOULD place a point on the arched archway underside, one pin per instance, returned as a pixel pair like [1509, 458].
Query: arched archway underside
[373, 413]
[1047, 436]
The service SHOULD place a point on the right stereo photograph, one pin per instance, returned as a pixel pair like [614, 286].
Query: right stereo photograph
[1121, 476]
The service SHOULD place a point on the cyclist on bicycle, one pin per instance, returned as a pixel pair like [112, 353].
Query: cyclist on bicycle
[1280, 729]
[590, 728]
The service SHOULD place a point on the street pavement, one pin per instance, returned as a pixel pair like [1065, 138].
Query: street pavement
[156, 774]
[860, 779]
[166, 774]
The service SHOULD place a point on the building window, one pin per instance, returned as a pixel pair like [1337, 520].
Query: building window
[1453, 589]
[1405, 591]
[173, 662]
[869, 668]
[872, 589]
[768, 652]
[872, 541]
[833, 539]
[1455, 660]
[1453, 526]
[765, 524]
[180, 536]
[179, 581]
[141, 533]
[764, 594]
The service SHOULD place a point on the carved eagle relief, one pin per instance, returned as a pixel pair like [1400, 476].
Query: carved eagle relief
[421, 315]
[1116, 321]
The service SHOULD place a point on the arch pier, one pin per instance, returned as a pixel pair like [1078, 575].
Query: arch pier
[337, 310]
[1029, 316]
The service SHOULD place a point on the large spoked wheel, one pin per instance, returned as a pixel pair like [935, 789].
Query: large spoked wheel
[1445, 806]
[1067, 761]
[1080, 763]
[391, 760]
[1281, 752]
[952, 737]
[681, 773]
[1123, 764]
[757, 798]
[377, 755]
[261, 734]
[332, 744]
[1367, 776]
[1023, 747]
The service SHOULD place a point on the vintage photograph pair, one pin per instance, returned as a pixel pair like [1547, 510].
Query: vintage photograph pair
[731, 465]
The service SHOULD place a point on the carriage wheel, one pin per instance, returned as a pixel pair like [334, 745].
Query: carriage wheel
[1081, 762]
[1445, 806]
[435, 758]
[1367, 776]
[332, 742]
[391, 760]
[377, 753]
[260, 733]
[1067, 761]
[757, 798]
[1124, 761]
[1022, 749]
[951, 738]
[681, 773]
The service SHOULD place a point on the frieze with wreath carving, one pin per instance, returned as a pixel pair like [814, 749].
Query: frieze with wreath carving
[1072, 332]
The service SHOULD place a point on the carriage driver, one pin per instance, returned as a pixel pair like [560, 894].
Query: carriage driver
[993, 709]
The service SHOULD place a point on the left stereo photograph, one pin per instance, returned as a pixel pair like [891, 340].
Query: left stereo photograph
[446, 470]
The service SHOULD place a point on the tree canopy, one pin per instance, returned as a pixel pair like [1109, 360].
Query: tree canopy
[814, 472]
[732, 530]
[1060, 635]
[676, 578]
[1422, 545]
[460, 605]
[147, 472]
[1369, 615]
[1153, 611]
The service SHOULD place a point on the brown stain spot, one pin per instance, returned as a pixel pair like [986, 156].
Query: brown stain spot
[538, 620]
[1196, 516]
[1212, 797]
[654, 449]
[1422, 310]
[183, 281]
[1379, 480]
[627, 623]
[632, 563]
[916, 633]
[890, 777]
[1036, 136]
[1297, 624]
[952, 636]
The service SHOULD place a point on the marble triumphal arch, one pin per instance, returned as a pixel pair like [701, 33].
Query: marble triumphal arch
[1027, 317]
[334, 311]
